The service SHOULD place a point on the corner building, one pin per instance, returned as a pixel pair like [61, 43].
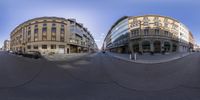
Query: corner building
[6, 45]
[148, 33]
[52, 35]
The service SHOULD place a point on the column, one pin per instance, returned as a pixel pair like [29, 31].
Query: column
[162, 45]
[171, 46]
[140, 46]
[151, 46]
[131, 47]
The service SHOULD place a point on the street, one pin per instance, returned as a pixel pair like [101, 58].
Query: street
[98, 77]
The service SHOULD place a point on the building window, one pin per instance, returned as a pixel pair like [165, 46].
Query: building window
[165, 20]
[36, 26]
[29, 32]
[53, 25]
[53, 46]
[72, 22]
[44, 46]
[44, 25]
[44, 38]
[145, 19]
[146, 23]
[166, 33]
[135, 23]
[53, 30]
[62, 35]
[36, 30]
[44, 30]
[36, 35]
[157, 32]
[146, 31]
[28, 47]
[44, 33]
[62, 31]
[166, 25]
[174, 26]
[135, 32]
[156, 23]
[35, 47]
[62, 39]
[156, 19]
[53, 33]
[29, 39]
[61, 46]
[62, 26]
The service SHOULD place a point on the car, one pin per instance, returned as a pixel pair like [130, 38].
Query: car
[32, 54]
[19, 52]
[10, 51]
[103, 51]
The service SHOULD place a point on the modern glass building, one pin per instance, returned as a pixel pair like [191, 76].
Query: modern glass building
[117, 40]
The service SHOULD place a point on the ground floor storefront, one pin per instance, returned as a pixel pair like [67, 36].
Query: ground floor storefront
[47, 48]
[120, 49]
[156, 46]
[152, 45]
[78, 49]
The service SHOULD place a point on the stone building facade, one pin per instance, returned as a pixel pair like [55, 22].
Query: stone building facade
[52, 35]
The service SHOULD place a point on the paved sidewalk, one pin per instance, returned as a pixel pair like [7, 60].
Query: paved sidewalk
[65, 57]
[150, 59]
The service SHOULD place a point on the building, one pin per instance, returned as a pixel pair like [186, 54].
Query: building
[52, 35]
[2, 48]
[148, 33]
[6, 46]
[117, 38]
[197, 47]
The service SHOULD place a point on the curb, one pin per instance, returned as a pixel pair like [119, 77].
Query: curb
[149, 62]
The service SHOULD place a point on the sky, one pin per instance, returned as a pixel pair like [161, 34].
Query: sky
[97, 15]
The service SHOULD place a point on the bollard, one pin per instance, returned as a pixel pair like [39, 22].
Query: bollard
[130, 57]
[135, 56]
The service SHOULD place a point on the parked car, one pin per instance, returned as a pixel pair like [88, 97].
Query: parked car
[19, 52]
[14, 52]
[10, 51]
[32, 54]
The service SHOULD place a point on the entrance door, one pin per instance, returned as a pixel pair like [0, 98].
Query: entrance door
[61, 49]
[146, 46]
[67, 50]
[174, 47]
[166, 46]
[136, 48]
[157, 47]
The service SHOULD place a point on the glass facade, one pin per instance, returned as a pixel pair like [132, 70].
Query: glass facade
[120, 29]
[118, 36]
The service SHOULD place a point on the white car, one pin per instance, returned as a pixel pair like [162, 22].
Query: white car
[10, 51]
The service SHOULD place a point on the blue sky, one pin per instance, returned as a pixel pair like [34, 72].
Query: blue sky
[97, 16]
